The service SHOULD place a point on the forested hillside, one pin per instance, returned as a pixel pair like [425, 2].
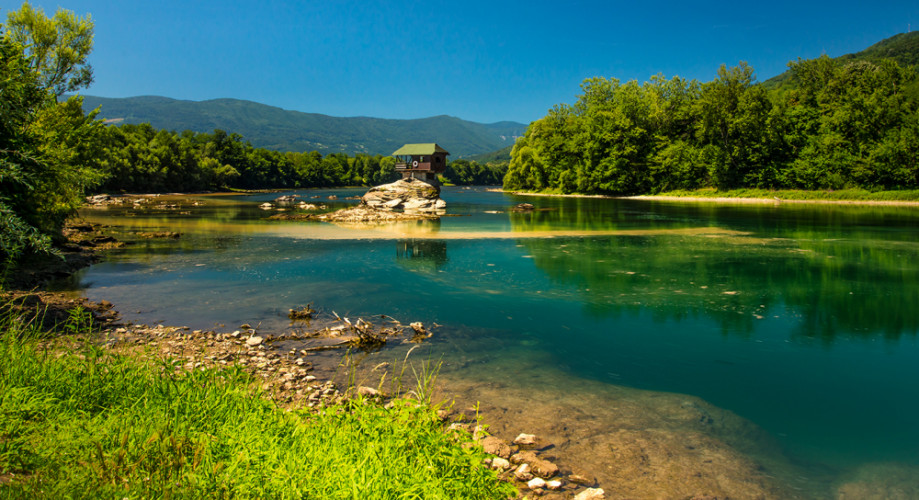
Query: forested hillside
[842, 124]
[282, 130]
[902, 48]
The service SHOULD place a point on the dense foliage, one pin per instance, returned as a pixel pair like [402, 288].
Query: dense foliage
[843, 125]
[139, 158]
[468, 173]
[45, 145]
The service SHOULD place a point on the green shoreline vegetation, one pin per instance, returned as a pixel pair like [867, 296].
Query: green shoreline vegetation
[853, 195]
[842, 195]
[834, 124]
[82, 421]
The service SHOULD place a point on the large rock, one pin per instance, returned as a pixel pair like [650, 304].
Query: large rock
[409, 194]
[495, 446]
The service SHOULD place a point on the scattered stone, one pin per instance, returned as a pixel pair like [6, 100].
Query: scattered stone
[496, 446]
[555, 484]
[98, 199]
[523, 473]
[360, 214]
[582, 480]
[536, 483]
[159, 234]
[287, 199]
[254, 341]
[368, 392]
[500, 463]
[540, 467]
[524, 207]
[525, 440]
[544, 468]
[591, 494]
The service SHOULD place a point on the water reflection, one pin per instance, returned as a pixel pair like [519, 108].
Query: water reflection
[421, 255]
[838, 287]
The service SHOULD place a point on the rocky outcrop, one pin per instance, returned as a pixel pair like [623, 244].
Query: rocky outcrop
[410, 195]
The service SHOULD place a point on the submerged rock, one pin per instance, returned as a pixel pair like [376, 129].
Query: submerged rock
[499, 463]
[536, 483]
[523, 473]
[496, 446]
[525, 440]
[591, 494]
[287, 199]
[524, 207]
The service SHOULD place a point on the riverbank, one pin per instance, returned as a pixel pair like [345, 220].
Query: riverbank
[766, 197]
[56, 342]
[116, 420]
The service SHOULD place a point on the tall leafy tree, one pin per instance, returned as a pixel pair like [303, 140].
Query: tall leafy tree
[57, 48]
[47, 147]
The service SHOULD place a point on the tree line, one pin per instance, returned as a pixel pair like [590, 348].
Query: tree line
[140, 158]
[834, 125]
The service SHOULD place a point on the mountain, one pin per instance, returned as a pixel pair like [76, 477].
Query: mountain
[503, 154]
[283, 130]
[902, 48]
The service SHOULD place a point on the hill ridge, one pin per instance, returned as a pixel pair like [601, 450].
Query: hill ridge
[902, 48]
[273, 127]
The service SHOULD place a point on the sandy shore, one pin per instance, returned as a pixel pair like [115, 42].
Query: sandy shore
[724, 199]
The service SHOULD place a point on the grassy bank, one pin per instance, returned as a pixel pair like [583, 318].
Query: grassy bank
[799, 194]
[78, 420]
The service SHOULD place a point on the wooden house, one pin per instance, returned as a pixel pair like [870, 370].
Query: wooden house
[421, 161]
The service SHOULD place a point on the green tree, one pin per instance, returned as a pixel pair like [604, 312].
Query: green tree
[47, 148]
[56, 48]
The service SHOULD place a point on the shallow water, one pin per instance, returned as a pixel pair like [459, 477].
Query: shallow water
[797, 320]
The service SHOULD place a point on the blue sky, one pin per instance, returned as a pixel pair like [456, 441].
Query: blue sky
[478, 60]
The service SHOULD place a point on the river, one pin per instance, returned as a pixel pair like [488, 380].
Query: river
[642, 338]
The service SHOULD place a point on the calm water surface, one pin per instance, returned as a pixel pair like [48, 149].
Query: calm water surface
[801, 319]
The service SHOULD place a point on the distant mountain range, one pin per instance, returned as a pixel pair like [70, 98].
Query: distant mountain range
[902, 48]
[283, 130]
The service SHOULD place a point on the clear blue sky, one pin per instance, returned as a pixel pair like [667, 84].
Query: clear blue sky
[478, 60]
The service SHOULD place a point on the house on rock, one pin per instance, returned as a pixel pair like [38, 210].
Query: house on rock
[421, 161]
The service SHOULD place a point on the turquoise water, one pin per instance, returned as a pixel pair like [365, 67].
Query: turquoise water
[799, 318]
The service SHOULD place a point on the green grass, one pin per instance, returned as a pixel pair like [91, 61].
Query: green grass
[782, 194]
[800, 194]
[88, 423]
